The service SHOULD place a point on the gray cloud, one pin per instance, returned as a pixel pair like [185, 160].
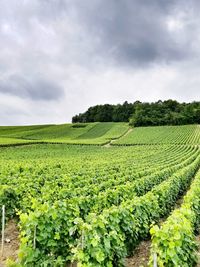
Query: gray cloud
[70, 54]
[136, 32]
[35, 89]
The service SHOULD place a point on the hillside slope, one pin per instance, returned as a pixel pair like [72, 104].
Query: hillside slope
[82, 133]
[100, 133]
[186, 134]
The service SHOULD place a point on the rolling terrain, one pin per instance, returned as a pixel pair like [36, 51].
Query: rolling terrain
[99, 134]
[90, 133]
[94, 204]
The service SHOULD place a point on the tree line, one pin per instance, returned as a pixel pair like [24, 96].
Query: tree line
[169, 112]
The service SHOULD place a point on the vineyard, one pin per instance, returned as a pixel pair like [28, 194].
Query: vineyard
[80, 203]
[163, 135]
[90, 133]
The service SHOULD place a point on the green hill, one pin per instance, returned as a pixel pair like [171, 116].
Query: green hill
[99, 133]
[186, 134]
[81, 133]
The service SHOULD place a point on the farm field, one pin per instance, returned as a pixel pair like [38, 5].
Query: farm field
[100, 134]
[93, 205]
[90, 133]
[186, 134]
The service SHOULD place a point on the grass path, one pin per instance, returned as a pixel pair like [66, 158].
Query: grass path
[113, 140]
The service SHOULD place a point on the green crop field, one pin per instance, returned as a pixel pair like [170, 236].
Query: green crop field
[186, 134]
[92, 206]
[90, 133]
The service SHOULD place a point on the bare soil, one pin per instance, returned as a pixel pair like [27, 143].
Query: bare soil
[141, 255]
[11, 244]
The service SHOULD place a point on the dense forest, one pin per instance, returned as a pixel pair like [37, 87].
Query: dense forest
[169, 112]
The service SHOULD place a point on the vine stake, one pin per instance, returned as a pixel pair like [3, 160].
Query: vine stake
[34, 238]
[155, 260]
[3, 229]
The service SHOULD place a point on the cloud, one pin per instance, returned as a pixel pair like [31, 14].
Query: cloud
[137, 32]
[35, 88]
[58, 57]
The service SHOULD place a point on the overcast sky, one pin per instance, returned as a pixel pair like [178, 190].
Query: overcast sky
[58, 57]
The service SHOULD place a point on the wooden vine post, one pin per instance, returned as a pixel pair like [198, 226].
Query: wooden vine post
[155, 260]
[34, 237]
[3, 230]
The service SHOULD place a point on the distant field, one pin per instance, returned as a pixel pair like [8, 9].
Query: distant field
[89, 133]
[99, 134]
[187, 134]
[12, 141]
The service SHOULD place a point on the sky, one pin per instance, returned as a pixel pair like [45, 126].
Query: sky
[59, 57]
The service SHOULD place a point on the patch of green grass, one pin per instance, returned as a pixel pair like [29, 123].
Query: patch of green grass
[118, 129]
[20, 131]
[12, 141]
[58, 132]
[98, 130]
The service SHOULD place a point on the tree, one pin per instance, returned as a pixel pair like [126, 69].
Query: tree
[168, 112]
